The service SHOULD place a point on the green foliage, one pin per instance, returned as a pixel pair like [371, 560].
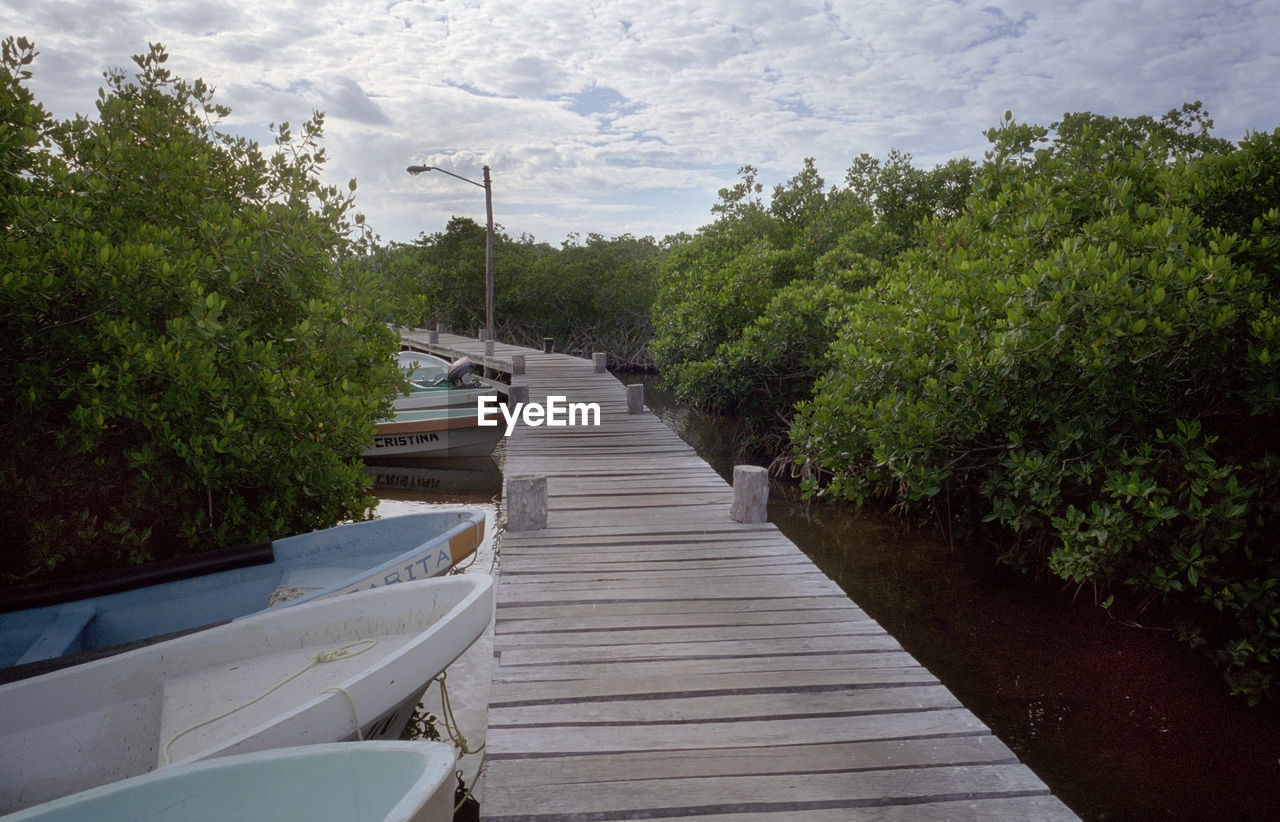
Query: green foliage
[592, 296]
[743, 304]
[192, 358]
[1081, 367]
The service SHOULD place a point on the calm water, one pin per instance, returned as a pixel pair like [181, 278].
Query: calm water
[1121, 722]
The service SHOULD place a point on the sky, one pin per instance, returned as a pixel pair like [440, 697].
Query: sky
[628, 116]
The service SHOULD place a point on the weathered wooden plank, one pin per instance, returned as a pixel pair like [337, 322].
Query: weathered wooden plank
[988, 809]
[668, 635]
[735, 588]
[617, 670]
[567, 563]
[845, 757]
[779, 792]
[659, 652]
[552, 683]
[557, 620]
[656, 736]
[836, 703]
[751, 608]
[654, 659]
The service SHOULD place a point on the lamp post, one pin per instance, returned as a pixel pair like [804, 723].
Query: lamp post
[488, 241]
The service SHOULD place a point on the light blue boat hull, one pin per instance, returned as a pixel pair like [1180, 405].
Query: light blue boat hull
[336, 782]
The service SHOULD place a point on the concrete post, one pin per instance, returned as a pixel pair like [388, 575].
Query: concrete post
[433, 337]
[750, 494]
[483, 334]
[439, 328]
[526, 501]
[517, 363]
[635, 398]
[601, 361]
[488, 348]
[517, 394]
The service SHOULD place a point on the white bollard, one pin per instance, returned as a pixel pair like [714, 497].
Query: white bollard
[750, 494]
[635, 398]
[526, 501]
[601, 361]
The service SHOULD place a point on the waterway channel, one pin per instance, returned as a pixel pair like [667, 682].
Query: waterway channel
[1122, 723]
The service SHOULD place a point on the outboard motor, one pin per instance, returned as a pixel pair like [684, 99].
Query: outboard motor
[460, 372]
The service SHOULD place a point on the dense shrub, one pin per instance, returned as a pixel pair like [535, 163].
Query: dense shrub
[1082, 366]
[743, 304]
[190, 360]
[589, 296]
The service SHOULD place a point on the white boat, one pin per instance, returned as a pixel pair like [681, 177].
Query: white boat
[65, 618]
[438, 383]
[337, 782]
[439, 416]
[443, 432]
[328, 670]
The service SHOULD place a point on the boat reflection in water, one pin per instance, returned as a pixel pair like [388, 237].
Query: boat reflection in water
[459, 476]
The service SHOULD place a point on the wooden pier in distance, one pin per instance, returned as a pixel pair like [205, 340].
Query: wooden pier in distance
[655, 659]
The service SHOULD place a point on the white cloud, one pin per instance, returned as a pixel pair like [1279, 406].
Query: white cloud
[629, 115]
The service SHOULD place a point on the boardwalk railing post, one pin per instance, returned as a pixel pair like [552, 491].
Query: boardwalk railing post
[483, 335]
[517, 395]
[433, 337]
[517, 363]
[488, 348]
[601, 361]
[547, 344]
[526, 500]
[439, 328]
[750, 494]
[635, 398]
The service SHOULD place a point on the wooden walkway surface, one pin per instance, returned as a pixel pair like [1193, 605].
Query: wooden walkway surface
[656, 660]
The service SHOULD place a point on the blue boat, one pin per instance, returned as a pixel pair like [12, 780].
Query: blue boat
[44, 626]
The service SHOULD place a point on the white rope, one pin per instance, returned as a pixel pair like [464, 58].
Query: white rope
[330, 655]
[351, 700]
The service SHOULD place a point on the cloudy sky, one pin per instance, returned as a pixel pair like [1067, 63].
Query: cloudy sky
[627, 116]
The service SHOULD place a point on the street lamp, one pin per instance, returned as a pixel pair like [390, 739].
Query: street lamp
[488, 243]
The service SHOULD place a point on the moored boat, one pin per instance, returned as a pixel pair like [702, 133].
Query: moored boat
[444, 432]
[438, 383]
[328, 670]
[439, 416]
[63, 618]
[336, 782]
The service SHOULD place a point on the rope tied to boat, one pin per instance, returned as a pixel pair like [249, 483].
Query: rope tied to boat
[328, 655]
[451, 725]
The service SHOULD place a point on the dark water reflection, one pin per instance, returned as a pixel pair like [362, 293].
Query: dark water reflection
[1121, 722]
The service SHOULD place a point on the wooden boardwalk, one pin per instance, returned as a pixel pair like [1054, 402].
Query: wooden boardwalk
[656, 660]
